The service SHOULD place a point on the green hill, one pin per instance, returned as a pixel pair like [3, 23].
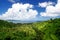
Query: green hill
[46, 30]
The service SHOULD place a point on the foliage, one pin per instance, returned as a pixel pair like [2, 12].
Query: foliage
[45, 30]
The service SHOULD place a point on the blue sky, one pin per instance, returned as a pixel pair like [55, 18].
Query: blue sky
[5, 4]
[39, 10]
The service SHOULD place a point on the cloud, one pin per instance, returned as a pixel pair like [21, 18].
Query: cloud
[13, 1]
[45, 4]
[19, 11]
[52, 11]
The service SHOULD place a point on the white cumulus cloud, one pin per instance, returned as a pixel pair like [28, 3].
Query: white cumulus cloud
[52, 11]
[19, 11]
[45, 4]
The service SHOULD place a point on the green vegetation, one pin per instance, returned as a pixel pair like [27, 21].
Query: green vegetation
[46, 30]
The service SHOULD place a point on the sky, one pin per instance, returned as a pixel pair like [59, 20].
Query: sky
[29, 10]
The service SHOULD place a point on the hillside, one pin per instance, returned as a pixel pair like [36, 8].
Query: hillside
[46, 30]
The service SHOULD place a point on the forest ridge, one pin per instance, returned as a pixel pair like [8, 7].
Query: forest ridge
[45, 30]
